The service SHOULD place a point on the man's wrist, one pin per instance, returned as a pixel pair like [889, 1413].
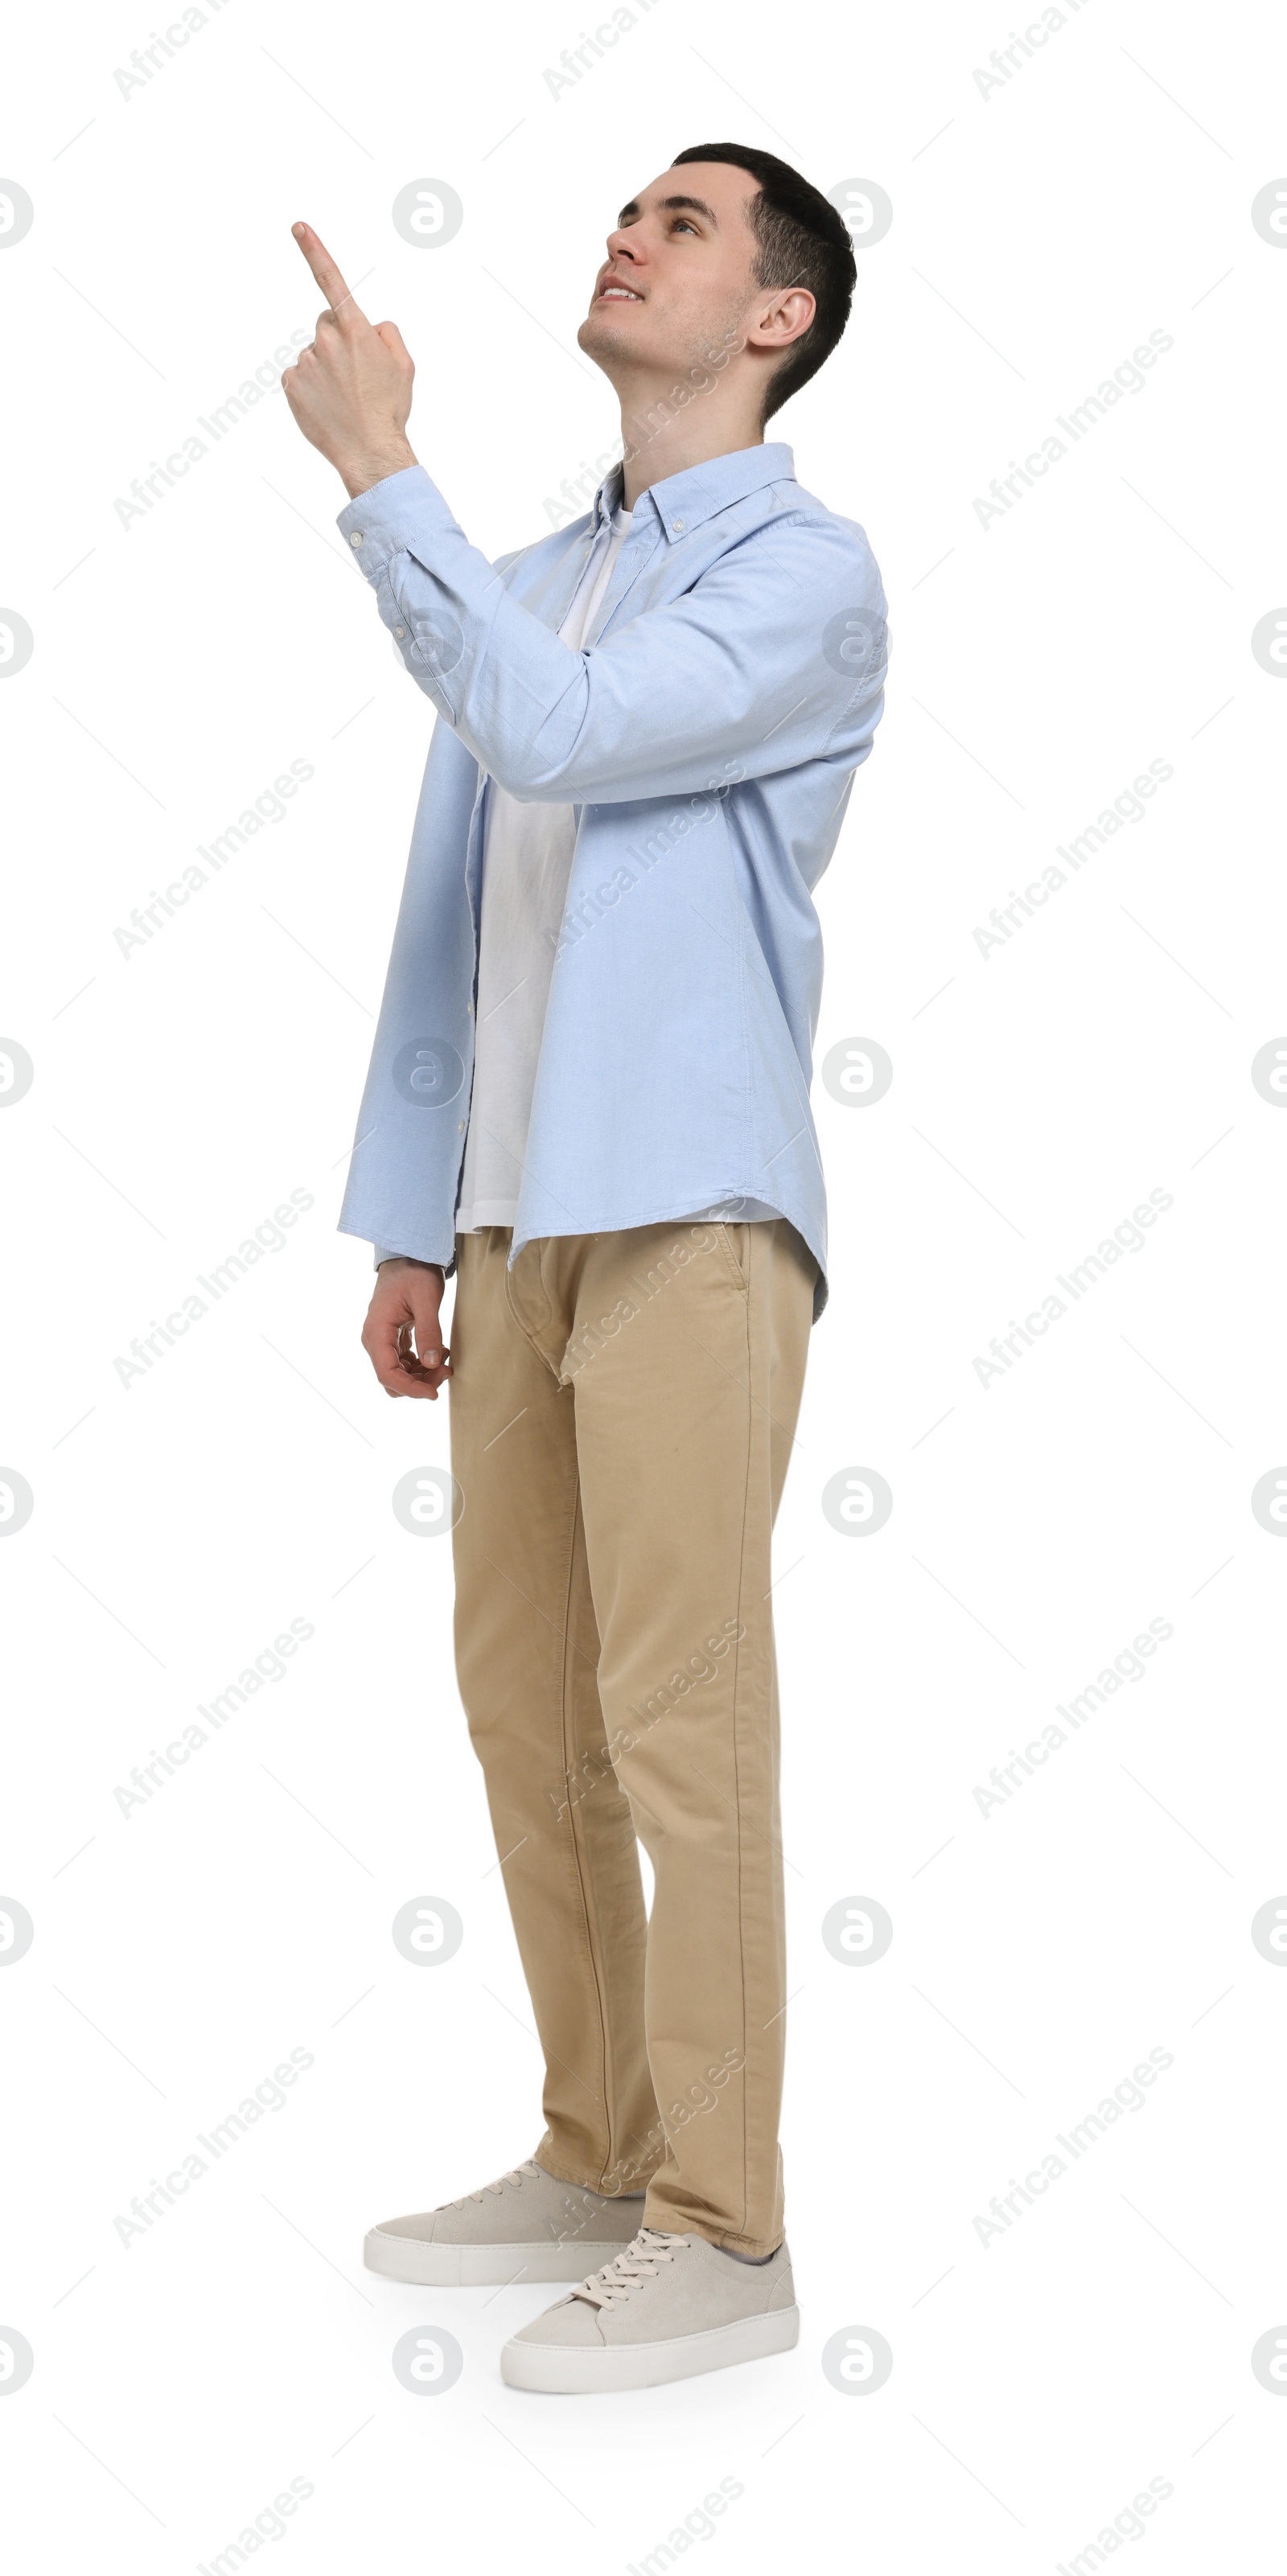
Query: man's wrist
[362, 476]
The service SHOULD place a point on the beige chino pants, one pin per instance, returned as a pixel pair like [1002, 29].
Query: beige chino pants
[622, 1413]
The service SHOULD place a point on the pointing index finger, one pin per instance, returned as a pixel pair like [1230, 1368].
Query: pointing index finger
[323, 267]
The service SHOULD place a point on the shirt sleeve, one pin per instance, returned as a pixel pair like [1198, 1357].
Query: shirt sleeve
[775, 657]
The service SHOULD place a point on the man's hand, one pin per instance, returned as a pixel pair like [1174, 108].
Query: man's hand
[406, 1301]
[350, 390]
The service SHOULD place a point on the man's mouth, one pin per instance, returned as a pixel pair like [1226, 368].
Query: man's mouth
[613, 292]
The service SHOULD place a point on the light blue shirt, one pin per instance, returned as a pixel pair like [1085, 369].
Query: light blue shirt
[706, 734]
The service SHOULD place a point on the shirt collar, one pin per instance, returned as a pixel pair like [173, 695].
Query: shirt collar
[683, 501]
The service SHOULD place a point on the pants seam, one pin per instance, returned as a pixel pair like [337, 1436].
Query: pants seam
[737, 1774]
[573, 1833]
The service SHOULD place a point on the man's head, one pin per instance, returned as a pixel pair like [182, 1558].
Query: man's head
[728, 261]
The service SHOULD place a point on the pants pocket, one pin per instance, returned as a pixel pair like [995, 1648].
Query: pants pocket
[735, 1247]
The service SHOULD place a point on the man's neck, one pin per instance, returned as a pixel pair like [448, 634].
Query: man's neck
[658, 442]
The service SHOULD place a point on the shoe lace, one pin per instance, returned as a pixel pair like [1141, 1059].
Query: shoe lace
[640, 2262]
[514, 2180]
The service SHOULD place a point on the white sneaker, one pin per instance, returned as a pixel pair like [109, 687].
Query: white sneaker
[526, 2227]
[668, 2308]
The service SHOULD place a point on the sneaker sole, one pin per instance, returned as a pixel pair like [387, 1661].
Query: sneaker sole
[476, 2267]
[577, 2370]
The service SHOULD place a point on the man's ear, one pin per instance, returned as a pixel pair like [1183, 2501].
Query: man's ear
[795, 307]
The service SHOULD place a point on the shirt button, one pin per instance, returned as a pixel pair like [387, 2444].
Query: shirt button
[678, 527]
[399, 631]
[355, 539]
[460, 1126]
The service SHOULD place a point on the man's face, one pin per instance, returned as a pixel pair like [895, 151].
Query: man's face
[677, 282]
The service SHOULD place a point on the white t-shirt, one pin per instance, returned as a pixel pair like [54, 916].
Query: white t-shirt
[527, 858]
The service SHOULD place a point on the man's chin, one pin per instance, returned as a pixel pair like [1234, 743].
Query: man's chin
[604, 338]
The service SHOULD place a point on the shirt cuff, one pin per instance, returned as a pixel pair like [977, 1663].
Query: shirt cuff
[389, 519]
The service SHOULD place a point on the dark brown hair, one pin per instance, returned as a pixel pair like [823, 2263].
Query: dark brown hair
[802, 241]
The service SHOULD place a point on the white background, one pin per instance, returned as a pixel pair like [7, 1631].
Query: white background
[1040, 1951]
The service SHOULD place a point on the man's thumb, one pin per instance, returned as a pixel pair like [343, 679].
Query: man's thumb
[424, 1315]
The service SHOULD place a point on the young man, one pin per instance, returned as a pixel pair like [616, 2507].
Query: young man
[589, 1097]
